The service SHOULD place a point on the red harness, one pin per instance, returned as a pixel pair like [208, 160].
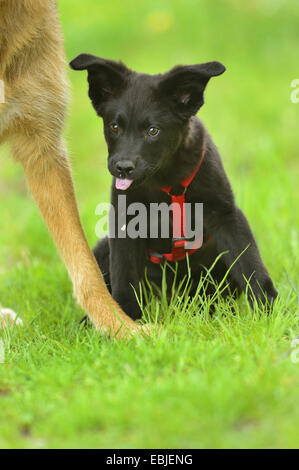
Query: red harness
[179, 241]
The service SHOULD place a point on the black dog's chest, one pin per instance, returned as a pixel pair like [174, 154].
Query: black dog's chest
[157, 225]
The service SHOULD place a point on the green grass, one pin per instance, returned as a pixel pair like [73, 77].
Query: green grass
[226, 381]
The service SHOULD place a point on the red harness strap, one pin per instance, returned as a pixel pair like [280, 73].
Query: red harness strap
[179, 250]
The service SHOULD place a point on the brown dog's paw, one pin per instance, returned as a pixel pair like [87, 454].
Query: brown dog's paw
[150, 329]
[145, 331]
[9, 317]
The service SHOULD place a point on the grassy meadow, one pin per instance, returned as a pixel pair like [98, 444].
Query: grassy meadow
[226, 381]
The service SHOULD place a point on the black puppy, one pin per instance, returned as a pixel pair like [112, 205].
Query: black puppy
[160, 152]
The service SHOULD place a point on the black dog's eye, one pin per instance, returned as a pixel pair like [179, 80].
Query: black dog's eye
[114, 127]
[153, 131]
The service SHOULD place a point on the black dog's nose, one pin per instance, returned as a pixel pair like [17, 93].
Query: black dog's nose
[125, 167]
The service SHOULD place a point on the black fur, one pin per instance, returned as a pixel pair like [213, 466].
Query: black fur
[169, 102]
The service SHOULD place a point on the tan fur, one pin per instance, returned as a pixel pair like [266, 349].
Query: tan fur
[32, 66]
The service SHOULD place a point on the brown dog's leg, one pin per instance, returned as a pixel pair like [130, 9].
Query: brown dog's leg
[49, 180]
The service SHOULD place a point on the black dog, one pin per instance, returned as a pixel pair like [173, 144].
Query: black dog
[160, 152]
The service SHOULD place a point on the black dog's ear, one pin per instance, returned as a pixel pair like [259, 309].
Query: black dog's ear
[185, 85]
[105, 77]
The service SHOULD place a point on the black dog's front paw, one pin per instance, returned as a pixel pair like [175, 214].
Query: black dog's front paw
[264, 292]
[128, 303]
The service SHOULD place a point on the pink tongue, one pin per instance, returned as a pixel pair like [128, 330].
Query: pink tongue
[122, 184]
